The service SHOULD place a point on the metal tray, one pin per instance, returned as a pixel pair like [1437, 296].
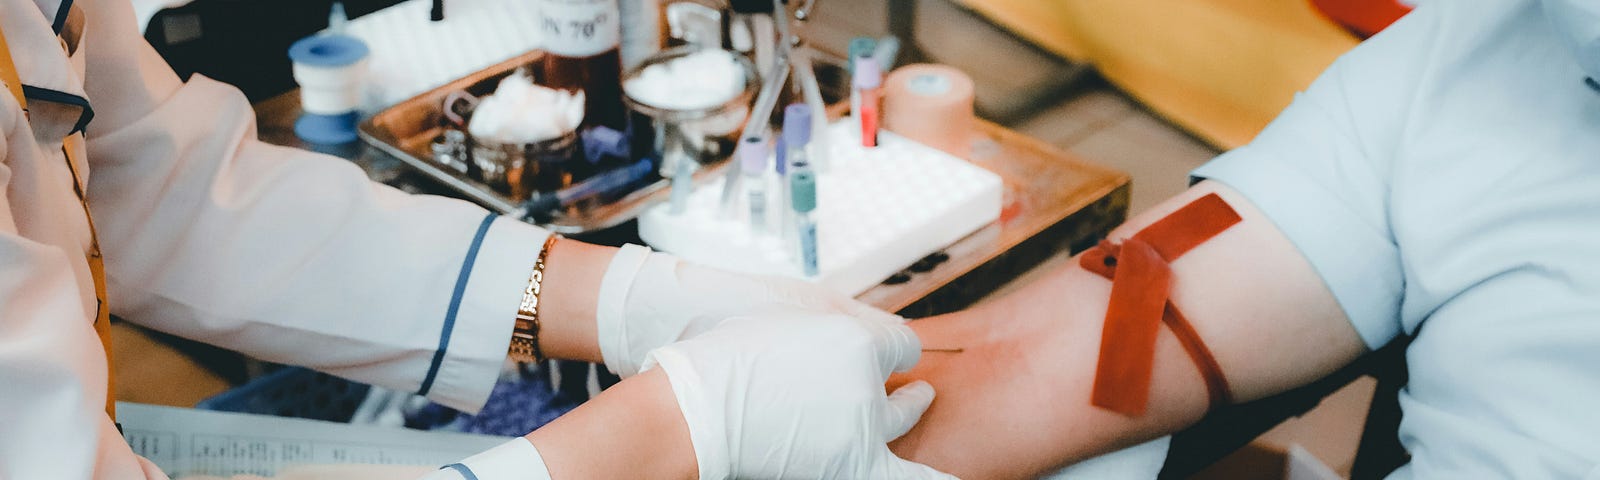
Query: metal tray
[406, 130]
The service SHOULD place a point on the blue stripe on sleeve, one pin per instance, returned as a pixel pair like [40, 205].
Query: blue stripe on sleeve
[57, 96]
[463, 470]
[61, 16]
[455, 305]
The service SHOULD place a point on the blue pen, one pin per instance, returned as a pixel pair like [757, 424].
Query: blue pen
[804, 189]
[541, 206]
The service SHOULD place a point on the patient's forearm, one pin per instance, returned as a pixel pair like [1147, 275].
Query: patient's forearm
[1016, 401]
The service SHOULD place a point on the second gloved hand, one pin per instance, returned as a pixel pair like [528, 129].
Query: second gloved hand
[797, 396]
[650, 299]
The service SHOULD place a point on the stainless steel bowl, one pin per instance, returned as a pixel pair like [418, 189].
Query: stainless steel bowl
[705, 135]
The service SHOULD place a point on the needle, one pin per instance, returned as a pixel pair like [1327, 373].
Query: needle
[945, 350]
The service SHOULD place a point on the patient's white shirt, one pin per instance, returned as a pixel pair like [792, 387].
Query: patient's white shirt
[1444, 180]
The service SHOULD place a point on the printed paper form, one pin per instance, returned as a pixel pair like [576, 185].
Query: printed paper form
[185, 441]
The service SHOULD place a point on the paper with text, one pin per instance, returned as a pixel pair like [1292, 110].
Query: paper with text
[185, 441]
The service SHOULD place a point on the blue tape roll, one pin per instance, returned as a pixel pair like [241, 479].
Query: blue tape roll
[327, 129]
[328, 50]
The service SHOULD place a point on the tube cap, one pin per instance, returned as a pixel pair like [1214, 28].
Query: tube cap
[867, 75]
[803, 191]
[753, 155]
[797, 125]
[860, 47]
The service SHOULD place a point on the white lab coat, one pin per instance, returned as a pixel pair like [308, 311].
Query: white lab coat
[209, 234]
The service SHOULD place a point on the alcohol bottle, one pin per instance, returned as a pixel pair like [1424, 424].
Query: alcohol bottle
[582, 39]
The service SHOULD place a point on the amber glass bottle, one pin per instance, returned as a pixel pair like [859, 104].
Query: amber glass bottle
[582, 38]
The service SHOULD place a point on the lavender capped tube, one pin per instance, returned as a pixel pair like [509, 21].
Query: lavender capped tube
[797, 133]
[753, 165]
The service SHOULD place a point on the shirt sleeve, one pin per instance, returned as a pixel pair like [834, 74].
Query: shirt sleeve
[1320, 171]
[283, 254]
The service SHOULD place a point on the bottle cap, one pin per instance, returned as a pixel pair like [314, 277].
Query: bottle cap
[753, 155]
[797, 125]
[860, 47]
[867, 75]
[803, 191]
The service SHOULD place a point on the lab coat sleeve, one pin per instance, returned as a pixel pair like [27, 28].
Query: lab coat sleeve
[1321, 171]
[283, 254]
[52, 366]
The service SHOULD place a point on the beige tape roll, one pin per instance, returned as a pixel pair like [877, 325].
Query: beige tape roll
[931, 104]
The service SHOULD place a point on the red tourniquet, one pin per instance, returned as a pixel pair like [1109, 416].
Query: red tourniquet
[1363, 17]
[1141, 283]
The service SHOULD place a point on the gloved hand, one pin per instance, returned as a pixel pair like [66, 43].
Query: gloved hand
[649, 299]
[797, 396]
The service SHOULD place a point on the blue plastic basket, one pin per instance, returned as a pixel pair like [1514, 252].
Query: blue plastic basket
[515, 407]
[293, 392]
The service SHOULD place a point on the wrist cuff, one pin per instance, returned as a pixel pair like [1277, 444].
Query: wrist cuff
[610, 315]
[707, 424]
[515, 459]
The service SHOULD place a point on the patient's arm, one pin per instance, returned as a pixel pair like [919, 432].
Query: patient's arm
[1015, 402]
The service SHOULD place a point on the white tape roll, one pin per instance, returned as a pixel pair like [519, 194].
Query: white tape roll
[330, 90]
[331, 71]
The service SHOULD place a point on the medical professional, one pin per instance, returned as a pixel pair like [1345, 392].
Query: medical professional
[130, 192]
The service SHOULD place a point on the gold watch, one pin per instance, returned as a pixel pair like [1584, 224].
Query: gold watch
[525, 333]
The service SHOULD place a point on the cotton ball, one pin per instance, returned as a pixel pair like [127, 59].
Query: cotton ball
[520, 112]
[699, 80]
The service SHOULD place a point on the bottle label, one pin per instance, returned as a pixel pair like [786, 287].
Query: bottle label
[579, 28]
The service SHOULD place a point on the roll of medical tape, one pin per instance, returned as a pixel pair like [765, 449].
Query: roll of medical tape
[330, 71]
[932, 104]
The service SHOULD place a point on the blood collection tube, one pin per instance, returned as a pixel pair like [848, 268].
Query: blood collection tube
[860, 47]
[796, 137]
[753, 164]
[803, 187]
[867, 79]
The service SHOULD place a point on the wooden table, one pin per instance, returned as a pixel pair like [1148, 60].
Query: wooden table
[1054, 201]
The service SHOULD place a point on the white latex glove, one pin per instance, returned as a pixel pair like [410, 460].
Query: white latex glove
[514, 459]
[797, 396]
[650, 299]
